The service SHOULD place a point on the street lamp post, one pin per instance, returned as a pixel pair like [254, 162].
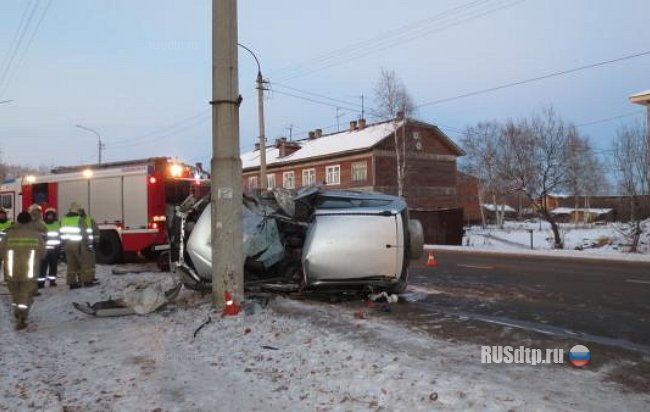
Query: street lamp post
[260, 116]
[100, 145]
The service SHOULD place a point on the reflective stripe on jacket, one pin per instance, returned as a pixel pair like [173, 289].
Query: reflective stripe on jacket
[71, 229]
[22, 250]
[53, 234]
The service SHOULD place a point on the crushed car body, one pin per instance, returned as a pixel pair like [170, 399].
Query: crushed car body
[313, 239]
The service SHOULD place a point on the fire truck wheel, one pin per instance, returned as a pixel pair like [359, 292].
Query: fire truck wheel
[109, 250]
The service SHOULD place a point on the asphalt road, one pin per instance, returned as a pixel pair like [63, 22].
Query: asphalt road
[602, 301]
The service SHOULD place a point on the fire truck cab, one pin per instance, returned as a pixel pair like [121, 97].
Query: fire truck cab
[131, 201]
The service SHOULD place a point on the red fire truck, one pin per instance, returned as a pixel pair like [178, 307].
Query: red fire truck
[131, 201]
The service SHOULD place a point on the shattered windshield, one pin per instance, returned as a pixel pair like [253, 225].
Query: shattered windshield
[345, 203]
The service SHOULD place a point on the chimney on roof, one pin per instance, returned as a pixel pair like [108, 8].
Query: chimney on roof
[257, 146]
[400, 115]
[312, 135]
[285, 148]
[319, 133]
[353, 125]
[362, 123]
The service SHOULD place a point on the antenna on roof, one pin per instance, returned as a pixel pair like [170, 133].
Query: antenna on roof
[338, 117]
[363, 114]
[290, 129]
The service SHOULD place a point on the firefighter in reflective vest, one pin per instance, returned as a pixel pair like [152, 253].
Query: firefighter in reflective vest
[23, 249]
[5, 224]
[53, 245]
[73, 234]
[36, 212]
[88, 254]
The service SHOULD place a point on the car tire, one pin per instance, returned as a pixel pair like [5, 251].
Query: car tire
[416, 239]
[109, 249]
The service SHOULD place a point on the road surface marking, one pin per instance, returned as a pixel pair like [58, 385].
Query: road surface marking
[474, 266]
[644, 282]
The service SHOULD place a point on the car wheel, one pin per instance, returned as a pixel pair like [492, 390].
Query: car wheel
[109, 249]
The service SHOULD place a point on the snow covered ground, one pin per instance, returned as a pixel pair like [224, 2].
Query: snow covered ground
[590, 239]
[318, 357]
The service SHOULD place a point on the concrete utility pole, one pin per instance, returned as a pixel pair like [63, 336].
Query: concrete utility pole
[260, 118]
[100, 145]
[226, 184]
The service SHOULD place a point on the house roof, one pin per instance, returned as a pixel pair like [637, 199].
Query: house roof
[641, 97]
[336, 143]
[492, 207]
[568, 210]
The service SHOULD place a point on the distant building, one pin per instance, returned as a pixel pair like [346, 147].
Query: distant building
[467, 189]
[570, 214]
[363, 158]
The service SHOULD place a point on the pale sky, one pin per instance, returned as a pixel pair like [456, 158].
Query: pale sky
[138, 72]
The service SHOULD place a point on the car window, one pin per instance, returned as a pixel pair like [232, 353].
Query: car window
[344, 203]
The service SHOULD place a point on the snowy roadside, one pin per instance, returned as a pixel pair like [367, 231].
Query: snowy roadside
[586, 241]
[318, 357]
[571, 254]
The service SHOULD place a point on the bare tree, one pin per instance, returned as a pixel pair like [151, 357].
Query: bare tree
[630, 149]
[481, 145]
[392, 98]
[11, 171]
[585, 174]
[533, 161]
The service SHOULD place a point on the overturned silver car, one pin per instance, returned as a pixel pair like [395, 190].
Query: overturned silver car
[313, 239]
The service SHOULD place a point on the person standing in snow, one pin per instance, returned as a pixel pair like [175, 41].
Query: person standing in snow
[53, 245]
[5, 224]
[36, 214]
[88, 264]
[73, 234]
[22, 249]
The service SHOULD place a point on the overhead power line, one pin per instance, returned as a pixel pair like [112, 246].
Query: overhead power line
[439, 22]
[534, 79]
[21, 57]
[160, 135]
[310, 99]
[17, 42]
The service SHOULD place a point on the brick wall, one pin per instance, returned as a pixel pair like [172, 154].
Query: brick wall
[467, 190]
[430, 181]
[430, 176]
[320, 167]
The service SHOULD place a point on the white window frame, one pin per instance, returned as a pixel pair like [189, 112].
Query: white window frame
[335, 172]
[308, 176]
[270, 180]
[289, 180]
[252, 182]
[357, 167]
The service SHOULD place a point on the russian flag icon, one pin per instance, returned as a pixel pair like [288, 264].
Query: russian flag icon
[579, 356]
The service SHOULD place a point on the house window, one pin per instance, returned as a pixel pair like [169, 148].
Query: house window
[308, 177]
[360, 171]
[333, 175]
[288, 180]
[270, 180]
[417, 138]
[252, 183]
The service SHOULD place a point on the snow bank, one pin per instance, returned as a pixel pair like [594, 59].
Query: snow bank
[606, 240]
